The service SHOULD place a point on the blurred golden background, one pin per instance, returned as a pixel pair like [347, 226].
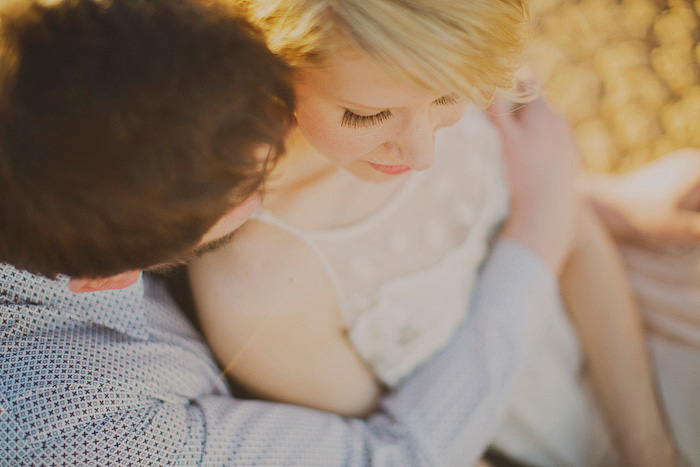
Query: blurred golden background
[626, 73]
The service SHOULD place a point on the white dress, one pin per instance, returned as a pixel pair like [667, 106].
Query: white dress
[403, 276]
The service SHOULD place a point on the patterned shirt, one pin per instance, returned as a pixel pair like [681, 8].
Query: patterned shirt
[121, 378]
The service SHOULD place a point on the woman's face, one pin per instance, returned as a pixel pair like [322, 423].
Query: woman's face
[367, 122]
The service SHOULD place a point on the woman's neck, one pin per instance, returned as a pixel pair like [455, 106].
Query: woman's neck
[300, 166]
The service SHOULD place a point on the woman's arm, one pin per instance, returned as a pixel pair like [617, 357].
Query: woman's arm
[595, 291]
[270, 315]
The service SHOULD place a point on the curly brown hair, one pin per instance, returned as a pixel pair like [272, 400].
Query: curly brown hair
[127, 129]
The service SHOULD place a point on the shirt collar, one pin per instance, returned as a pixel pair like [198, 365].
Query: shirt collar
[123, 310]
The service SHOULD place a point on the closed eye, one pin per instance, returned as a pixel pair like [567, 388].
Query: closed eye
[352, 120]
[447, 100]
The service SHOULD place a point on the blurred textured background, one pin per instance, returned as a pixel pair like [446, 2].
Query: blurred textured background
[625, 72]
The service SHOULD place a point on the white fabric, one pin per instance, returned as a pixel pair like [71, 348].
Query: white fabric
[667, 285]
[404, 276]
[553, 419]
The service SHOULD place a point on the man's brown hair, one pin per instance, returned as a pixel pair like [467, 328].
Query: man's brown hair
[127, 129]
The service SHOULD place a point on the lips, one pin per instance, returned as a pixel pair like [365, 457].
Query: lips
[391, 169]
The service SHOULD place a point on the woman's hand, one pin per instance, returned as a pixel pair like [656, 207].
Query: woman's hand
[542, 164]
[656, 204]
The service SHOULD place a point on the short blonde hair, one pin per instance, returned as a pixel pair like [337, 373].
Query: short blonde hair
[470, 46]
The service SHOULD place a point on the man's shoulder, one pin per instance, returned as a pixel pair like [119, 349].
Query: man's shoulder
[67, 372]
[101, 341]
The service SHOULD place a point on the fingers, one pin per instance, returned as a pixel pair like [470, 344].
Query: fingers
[508, 114]
[511, 118]
[691, 200]
[684, 228]
[690, 158]
[501, 114]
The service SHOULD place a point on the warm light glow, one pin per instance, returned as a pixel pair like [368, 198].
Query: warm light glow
[627, 74]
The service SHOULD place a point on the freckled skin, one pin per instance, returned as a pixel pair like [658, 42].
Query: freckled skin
[352, 81]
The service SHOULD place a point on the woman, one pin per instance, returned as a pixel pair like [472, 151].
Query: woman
[359, 267]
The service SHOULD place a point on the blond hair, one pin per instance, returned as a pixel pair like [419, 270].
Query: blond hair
[470, 46]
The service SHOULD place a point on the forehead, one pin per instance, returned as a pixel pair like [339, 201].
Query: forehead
[352, 77]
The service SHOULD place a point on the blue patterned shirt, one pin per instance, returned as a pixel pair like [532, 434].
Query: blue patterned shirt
[121, 378]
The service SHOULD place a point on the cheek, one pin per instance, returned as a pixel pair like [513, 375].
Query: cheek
[451, 115]
[323, 131]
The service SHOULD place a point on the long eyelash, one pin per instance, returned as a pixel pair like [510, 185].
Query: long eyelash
[352, 120]
[447, 100]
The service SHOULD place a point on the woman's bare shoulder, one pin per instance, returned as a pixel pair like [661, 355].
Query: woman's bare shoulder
[263, 268]
[270, 315]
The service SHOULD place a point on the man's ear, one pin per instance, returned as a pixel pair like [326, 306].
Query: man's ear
[118, 281]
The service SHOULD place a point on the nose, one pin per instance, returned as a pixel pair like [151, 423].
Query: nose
[416, 145]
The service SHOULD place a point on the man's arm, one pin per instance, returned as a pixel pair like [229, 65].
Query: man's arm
[444, 414]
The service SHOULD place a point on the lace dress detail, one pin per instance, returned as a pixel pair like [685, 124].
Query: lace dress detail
[403, 276]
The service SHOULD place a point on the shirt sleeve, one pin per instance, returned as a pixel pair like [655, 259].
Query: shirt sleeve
[443, 414]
